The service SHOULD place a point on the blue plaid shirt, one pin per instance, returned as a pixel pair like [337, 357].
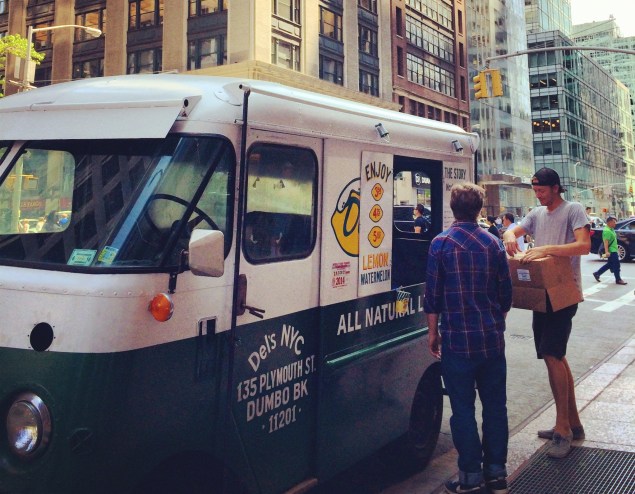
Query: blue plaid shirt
[469, 285]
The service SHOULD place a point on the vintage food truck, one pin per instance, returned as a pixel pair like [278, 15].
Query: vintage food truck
[203, 288]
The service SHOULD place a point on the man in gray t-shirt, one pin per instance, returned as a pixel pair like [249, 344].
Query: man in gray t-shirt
[560, 229]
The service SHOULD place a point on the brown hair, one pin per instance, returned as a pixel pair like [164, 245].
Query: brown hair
[466, 201]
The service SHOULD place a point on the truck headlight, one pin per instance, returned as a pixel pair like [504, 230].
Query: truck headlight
[28, 426]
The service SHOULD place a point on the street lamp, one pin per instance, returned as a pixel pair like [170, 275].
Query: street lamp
[29, 44]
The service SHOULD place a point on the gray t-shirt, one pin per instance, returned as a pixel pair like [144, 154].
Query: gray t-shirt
[556, 228]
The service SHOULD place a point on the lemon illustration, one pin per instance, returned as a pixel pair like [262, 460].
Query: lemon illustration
[345, 219]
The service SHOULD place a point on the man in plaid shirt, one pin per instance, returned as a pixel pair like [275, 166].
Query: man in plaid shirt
[469, 292]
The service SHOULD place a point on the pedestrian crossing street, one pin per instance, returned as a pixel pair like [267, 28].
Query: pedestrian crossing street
[609, 296]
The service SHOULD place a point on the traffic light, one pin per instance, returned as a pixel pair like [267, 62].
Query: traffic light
[480, 86]
[497, 83]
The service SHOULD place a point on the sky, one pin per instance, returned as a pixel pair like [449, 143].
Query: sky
[599, 10]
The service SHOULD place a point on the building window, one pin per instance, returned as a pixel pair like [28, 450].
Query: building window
[400, 71]
[546, 125]
[287, 9]
[204, 7]
[144, 61]
[330, 24]
[43, 75]
[399, 21]
[429, 75]
[368, 83]
[285, 54]
[3, 7]
[88, 69]
[95, 19]
[436, 10]
[208, 52]
[367, 40]
[331, 70]
[460, 17]
[547, 148]
[429, 39]
[145, 13]
[402, 103]
[42, 39]
[541, 81]
[369, 5]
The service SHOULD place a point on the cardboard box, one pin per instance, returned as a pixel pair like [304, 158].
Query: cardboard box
[533, 281]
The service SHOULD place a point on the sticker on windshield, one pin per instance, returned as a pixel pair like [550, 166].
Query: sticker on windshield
[82, 257]
[107, 255]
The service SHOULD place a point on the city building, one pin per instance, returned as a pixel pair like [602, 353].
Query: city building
[580, 123]
[429, 59]
[548, 15]
[406, 55]
[505, 157]
[606, 34]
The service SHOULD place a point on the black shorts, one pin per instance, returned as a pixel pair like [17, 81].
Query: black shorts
[552, 330]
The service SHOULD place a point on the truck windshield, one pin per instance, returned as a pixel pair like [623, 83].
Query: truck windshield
[113, 204]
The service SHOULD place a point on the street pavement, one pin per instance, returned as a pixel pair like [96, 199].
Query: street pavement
[601, 355]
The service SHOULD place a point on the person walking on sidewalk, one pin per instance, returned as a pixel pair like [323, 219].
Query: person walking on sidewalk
[610, 250]
[468, 291]
[559, 227]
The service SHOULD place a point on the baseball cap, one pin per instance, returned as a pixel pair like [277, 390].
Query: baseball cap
[547, 176]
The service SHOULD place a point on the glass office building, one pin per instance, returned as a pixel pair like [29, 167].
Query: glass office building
[578, 123]
[505, 157]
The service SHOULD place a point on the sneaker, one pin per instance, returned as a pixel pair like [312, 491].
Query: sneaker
[578, 433]
[560, 446]
[621, 282]
[596, 276]
[458, 488]
[496, 486]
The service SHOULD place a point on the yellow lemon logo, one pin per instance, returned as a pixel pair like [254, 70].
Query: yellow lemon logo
[345, 219]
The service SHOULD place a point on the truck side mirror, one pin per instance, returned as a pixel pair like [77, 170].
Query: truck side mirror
[207, 253]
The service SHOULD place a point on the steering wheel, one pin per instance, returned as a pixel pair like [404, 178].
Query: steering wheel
[202, 216]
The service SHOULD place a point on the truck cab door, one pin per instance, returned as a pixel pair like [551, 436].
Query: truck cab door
[277, 327]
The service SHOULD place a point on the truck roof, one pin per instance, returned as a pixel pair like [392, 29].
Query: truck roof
[136, 106]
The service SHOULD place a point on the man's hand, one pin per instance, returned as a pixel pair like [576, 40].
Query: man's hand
[434, 344]
[510, 243]
[533, 254]
[605, 256]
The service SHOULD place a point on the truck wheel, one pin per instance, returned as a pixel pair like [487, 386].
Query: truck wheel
[425, 417]
[412, 452]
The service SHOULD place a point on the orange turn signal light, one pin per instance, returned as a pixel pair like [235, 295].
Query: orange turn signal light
[161, 307]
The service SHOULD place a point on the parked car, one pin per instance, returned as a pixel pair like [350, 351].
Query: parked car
[625, 231]
[597, 222]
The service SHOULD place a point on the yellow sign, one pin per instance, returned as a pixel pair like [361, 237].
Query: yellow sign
[376, 236]
[376, 213]
[377, 192]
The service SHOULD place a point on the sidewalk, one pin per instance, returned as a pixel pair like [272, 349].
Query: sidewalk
[606, 400]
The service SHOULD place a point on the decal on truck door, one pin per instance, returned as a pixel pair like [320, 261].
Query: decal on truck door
[345, 219]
